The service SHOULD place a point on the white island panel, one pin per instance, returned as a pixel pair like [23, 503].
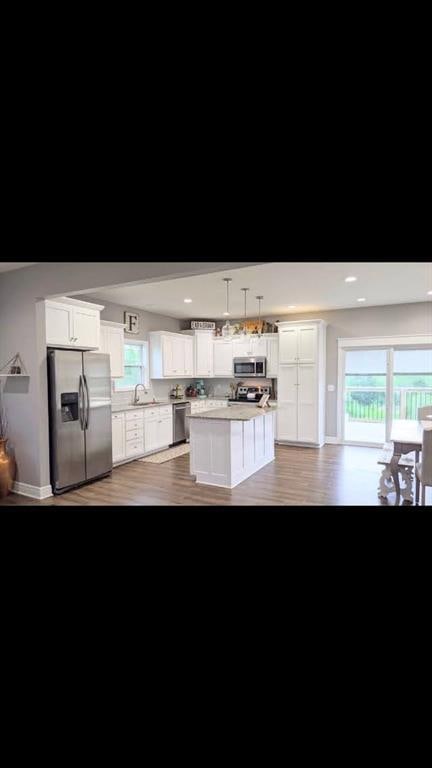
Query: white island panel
[224, 452]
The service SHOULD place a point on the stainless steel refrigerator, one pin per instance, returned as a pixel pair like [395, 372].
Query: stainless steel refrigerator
[79, 389]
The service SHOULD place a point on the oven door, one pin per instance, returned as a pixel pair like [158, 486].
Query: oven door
[244, 367]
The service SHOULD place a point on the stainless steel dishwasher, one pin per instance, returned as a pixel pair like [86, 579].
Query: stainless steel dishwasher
[181, 421]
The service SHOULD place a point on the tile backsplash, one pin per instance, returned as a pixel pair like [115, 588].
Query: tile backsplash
[160, 389]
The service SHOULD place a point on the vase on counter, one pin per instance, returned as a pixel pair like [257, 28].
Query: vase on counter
[7, 469]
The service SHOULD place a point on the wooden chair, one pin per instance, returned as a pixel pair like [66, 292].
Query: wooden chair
[424, 467]
[422, 413]
[426, 410]
[406, 468]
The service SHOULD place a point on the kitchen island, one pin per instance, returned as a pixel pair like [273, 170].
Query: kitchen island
[227, 445]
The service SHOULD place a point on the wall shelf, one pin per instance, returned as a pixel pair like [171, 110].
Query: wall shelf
[16, 362]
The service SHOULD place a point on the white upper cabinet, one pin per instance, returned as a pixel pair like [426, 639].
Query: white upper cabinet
[273, 356]
[86, 327]
[307, 337]
[189, 356]
[112, 344]
[59, 323]
[242, 346]
[178, 356]
[167, 350]
[203, 353]
[72, 323]
[222, 358]
[287, 345]
[171, 355]
[258, 346]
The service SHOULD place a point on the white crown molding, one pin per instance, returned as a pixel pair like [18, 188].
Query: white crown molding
[33, 491]
[75, 302]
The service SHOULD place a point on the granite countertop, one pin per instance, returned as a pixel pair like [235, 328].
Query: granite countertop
[238, 413]
[121, 408]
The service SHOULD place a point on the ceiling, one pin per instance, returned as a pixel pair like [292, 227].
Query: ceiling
[309, 286]
[8, 266]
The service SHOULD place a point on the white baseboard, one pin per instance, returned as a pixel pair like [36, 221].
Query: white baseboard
[332, 440]
[34, 491]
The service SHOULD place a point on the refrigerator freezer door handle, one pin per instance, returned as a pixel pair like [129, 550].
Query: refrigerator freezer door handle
[81, 402]
[87, 418]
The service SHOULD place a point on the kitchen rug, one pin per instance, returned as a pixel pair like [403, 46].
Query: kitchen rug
[167, 454]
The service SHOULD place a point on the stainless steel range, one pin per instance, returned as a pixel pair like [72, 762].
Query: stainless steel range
[250, 394]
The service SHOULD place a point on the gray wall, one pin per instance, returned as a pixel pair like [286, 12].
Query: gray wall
[148, 321]
[22, 329]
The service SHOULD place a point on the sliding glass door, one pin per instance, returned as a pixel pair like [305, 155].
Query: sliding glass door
[412, 382]
[366, 396]
[381, 385]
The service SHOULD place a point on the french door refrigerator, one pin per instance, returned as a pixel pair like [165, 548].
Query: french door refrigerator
[79, 389]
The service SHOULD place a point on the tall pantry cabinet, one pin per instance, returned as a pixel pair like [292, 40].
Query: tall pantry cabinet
[301, 382]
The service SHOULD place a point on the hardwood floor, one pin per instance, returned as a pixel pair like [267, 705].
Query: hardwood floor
[332, 475]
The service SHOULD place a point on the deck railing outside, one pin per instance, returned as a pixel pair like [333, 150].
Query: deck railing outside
[368, 403]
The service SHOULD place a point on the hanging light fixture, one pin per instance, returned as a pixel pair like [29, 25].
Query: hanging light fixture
[245, 290]
[226, 330]
[260, 298]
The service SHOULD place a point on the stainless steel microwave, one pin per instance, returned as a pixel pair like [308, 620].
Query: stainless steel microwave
[250, 367]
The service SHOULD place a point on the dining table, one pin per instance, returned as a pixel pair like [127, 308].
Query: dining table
[406, 436]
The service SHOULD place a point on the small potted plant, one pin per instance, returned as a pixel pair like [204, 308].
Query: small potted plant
[7, 463]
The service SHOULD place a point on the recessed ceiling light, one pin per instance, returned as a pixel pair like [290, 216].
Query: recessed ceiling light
[292, 306]
[361, 299]
[187, 301]
[350, 279]
[226, 314]
[429, 293]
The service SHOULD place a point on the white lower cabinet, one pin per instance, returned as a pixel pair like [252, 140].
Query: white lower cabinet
[158, 428]
[138, 432]
[118, 437]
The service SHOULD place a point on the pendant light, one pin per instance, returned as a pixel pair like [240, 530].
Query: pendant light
[226, 330]
[260, 298]
[245, 290]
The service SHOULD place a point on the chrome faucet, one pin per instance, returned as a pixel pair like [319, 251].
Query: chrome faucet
[136, 398]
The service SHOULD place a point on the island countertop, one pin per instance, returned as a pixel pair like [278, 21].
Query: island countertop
[236, 413]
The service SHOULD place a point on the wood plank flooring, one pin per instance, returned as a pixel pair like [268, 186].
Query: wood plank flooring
[332, 475]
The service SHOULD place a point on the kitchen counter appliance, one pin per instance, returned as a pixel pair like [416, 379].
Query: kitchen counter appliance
[250, 367]
[181, 413]
[79, 391]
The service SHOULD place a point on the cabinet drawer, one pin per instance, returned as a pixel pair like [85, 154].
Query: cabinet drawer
[151, 413]
[158, 413]
[117, 416]
[135, 434]
[134, 415]
[134, 447]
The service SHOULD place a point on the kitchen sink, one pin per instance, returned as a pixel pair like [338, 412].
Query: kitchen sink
[146, 405]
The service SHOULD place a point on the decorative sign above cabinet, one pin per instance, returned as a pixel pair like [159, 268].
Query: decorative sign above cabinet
[131, 322]
[202, 325]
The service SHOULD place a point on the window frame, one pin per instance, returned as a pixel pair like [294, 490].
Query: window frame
[145, 366]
